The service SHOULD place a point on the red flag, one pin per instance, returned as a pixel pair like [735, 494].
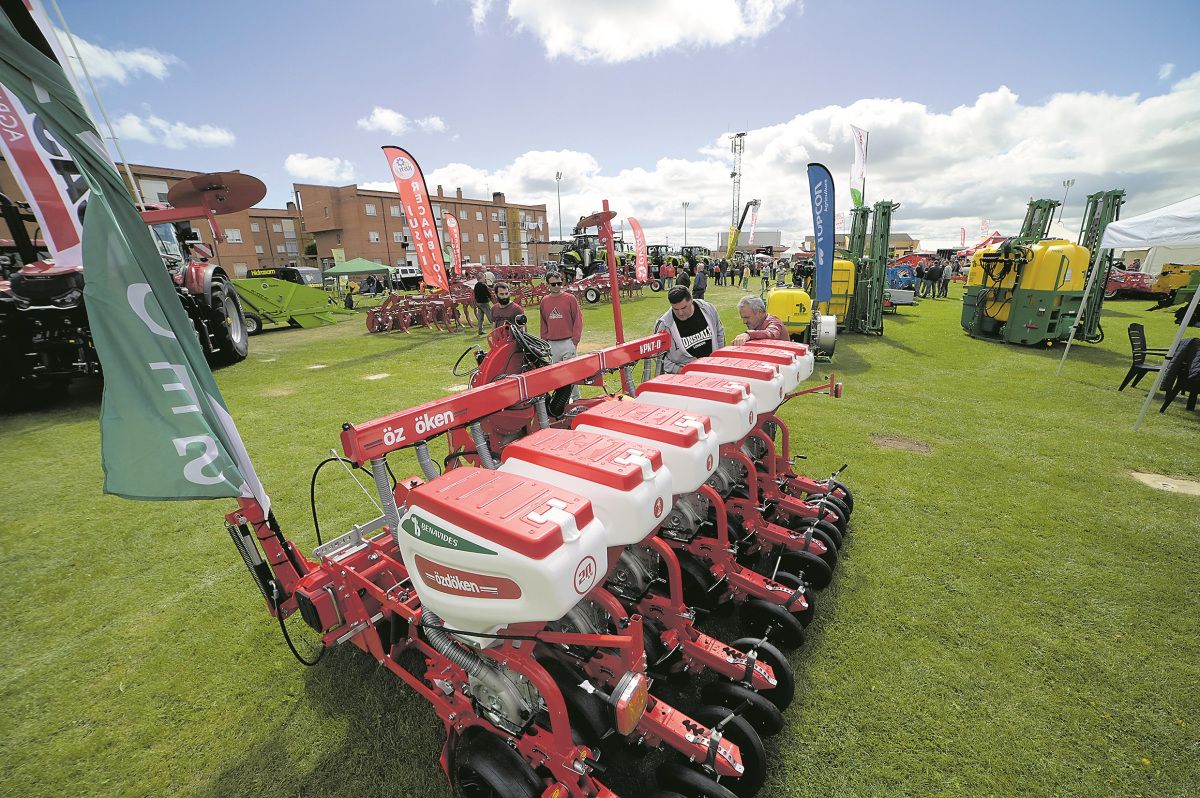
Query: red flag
[641, 264]
[962, 237]
[415, 198]
[451, 226]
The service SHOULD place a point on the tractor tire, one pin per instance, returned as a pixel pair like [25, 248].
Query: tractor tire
[233, 336]
[484, 765]
[591, 295]
[253, 324]
[1110, 294]
[656, 285]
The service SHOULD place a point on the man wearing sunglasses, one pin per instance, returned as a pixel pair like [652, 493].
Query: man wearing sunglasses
[562, 322]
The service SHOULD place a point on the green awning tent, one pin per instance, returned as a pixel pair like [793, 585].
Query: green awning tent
[356, 266]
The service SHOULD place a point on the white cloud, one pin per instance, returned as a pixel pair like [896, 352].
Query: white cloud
[431, 124]
[624, 30]
[153, 129]
[947, 169]
[1165, 71]
[317, 167]
[385, 120]
[378, 185]
[118, 66]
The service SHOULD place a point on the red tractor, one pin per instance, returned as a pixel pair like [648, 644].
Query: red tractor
[45, 338]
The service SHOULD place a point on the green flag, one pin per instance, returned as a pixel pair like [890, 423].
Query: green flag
[165, 430]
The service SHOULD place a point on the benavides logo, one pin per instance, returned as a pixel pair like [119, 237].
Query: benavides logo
[429, 532]
[585, 575]
[445, 579]
[403, 167]
[709, 464]
[658, 507]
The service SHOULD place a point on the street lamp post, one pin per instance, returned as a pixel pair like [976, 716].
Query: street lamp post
[558, 181]
[1066, 189]
[685, 207]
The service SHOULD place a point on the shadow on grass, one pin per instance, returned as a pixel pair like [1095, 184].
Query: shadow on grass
[1083, 352]
[892, 342]
[384, 724]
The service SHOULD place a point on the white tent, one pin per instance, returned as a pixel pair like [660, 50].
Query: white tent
[1174, 225]
[1157, 257]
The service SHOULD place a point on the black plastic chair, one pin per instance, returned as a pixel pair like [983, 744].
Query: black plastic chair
[1139, 369]
[1183, 375]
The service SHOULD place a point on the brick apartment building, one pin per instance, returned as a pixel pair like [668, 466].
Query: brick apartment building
[361, 222]
[370, 224]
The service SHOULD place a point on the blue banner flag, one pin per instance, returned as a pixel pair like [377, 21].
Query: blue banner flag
[820, 187]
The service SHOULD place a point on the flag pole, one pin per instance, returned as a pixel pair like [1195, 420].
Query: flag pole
[137, 191]
[866, 149]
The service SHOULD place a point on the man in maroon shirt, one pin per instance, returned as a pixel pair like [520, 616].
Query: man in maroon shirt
[759, 323]
[562, 322]
[505, 310]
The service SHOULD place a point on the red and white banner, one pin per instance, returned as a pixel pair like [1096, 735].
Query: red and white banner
[753, 223]
[421, 224]
[641, 263]
[962, 237]
[984, 224]
[451, 226]
[48, 178]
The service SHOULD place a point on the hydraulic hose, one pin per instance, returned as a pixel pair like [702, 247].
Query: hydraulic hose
[539, 409]
[447, 646]
[391, 513]
[481, 446]
[428, 467]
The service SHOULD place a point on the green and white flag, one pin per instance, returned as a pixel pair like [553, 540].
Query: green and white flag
[165, 430]
[858, 172]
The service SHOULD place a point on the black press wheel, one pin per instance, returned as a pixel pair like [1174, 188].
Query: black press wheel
[698, 584]
[680, 779]
[841, 506]
[591, 295]
[764, 716]
[754, 759]
[756, 617]
[840, 491]
[805, 616]
[253, 324]
[589, 716]
[823, 531]
[232, 333]
[784, 691]
[814, 570]
[486, 767]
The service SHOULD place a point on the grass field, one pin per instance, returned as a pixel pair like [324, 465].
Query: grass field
[1014, 614]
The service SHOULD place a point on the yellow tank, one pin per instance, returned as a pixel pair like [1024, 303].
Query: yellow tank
[1174, 276]
[1055, 266]
[793, 306]
[843, 289]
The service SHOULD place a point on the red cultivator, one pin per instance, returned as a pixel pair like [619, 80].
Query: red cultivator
[439, 311]
[541, 585]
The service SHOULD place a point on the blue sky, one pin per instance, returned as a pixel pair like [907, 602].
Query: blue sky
[631, 99]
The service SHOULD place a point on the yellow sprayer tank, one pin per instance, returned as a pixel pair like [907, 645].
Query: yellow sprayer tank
[793, 306]
[843, 290]
[1031, 296]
